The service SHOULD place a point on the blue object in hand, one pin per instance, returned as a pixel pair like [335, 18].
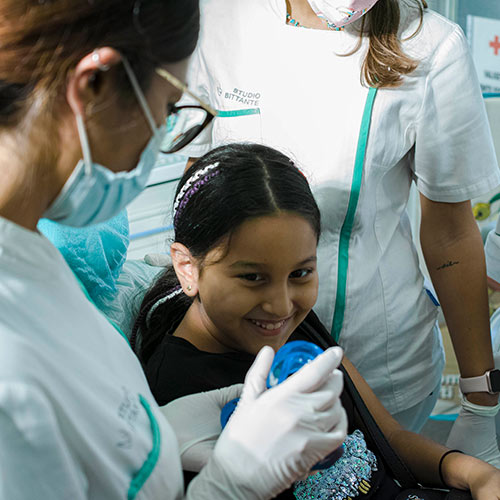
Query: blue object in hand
[227, 411]
[288, 360]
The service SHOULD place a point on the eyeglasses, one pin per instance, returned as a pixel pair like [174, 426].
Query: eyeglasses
[201, 114]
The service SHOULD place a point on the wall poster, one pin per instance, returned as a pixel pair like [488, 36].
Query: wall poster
[484, 37]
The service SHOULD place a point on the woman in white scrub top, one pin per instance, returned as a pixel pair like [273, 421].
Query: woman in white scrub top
[79, 90]
[365, 116]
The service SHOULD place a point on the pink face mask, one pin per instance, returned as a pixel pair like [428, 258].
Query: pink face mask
[341, 12]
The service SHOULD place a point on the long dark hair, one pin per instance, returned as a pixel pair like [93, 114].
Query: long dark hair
[220, 191]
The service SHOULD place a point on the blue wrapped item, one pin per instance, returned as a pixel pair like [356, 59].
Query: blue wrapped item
[227, 411]
[96, 254]
[289, 359]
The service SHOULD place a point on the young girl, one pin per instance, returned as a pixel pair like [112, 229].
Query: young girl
[244, 275]
[296, 75]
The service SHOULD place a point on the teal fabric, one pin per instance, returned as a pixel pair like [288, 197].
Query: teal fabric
[113, 323]
[96, 254]
[346, 231]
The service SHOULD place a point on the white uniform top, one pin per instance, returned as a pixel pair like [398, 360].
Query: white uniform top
[492, 251]
[287, 87]
[77, 419]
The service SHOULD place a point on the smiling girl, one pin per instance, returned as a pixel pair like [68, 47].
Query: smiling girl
[244, 276]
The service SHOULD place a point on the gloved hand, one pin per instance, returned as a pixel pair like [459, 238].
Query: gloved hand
[158, 259]
[275, 436]
[474, 432]
[195, 420]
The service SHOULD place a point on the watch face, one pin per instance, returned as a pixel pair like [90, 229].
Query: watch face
[495, 380]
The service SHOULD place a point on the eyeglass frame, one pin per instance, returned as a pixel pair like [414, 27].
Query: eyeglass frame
[172, 109]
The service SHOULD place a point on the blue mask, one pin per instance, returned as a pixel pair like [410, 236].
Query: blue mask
[94, 193]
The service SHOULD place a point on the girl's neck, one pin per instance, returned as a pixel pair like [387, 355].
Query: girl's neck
[193, 329]
[301, 11]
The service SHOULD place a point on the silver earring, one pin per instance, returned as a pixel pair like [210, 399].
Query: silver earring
[97, 59]
[189, 288]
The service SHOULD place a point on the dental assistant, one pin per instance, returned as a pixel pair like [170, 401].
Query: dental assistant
[82, 94]
[369, 96]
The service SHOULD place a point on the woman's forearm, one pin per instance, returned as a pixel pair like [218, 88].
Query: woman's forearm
[453, 251]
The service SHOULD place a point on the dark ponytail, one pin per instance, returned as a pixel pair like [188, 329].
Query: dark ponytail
[220, 191]
[164, 318]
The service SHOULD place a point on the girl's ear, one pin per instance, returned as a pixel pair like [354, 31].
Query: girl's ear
[186, 268]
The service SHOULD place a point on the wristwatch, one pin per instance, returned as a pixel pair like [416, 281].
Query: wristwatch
[489, 382]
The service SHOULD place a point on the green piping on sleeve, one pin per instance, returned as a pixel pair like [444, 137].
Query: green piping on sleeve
[142, 475]
[346, 231]
[238, 112]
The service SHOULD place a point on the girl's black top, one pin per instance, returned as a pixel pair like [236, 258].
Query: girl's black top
[177, 368]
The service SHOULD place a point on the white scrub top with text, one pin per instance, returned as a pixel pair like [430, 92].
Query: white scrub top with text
[290, 88]
[77, 419]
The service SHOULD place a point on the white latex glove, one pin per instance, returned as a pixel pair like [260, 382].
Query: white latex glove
[158, 259]
[196, 423]
[275, 436]
[474, 432]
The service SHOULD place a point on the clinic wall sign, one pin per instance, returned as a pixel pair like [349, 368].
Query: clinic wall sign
[484, 37]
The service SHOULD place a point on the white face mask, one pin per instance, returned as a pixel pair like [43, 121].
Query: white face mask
[339, 13]
[94, 193]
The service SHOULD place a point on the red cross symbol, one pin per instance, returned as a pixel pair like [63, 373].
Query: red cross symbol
[495, 45]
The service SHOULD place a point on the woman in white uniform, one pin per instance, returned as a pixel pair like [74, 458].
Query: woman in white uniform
[80, 104]
[492, 251]
[364, 116]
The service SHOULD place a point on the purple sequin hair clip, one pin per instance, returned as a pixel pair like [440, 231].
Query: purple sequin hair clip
[192, 186]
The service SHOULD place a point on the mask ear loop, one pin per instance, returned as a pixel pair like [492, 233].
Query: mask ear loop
[84, 141]
[139, 95]
[82, 132]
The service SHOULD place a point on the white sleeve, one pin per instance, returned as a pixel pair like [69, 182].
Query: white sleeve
[492, 252]
[34, 459]
[454, 154]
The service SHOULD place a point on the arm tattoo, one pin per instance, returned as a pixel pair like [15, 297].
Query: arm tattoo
[447, 264]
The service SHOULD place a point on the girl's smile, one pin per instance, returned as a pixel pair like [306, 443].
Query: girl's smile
[269, 327]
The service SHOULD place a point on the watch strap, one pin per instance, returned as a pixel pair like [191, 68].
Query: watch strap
[481, 383]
